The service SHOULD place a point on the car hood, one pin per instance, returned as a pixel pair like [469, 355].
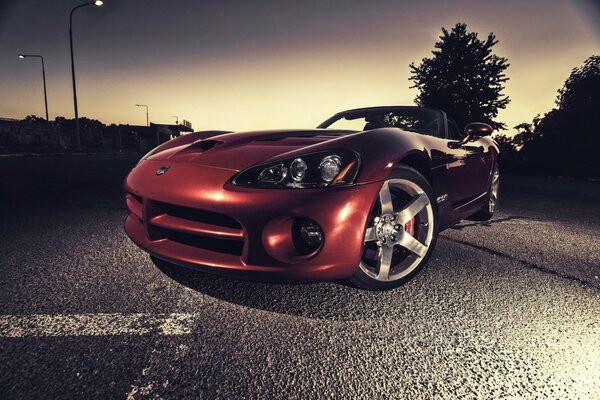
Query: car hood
[237, 151]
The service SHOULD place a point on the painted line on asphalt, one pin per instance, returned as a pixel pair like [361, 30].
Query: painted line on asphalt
[58, 325]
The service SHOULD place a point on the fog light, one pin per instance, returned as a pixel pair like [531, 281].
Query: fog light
[311, 233]
[308, 235]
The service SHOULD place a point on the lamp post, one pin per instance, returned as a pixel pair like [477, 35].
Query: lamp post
[176, 119]
[43, 77]
[145, 105]
[97, 3]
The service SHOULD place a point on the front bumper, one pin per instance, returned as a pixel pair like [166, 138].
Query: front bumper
[192, 216]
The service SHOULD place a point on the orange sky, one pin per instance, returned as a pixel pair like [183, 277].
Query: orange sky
[226, 66]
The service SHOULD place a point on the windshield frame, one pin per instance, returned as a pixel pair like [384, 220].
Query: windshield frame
[360, 112]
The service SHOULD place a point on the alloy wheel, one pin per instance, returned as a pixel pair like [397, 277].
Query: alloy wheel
[399, 231]
[494, 187]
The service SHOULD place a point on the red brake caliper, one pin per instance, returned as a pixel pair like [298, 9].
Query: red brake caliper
[409, 227]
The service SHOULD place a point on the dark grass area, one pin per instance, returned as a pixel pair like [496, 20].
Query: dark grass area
[50, 175]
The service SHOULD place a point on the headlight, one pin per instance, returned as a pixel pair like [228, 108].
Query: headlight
[298, 169]
[329, 168]
[275, 174]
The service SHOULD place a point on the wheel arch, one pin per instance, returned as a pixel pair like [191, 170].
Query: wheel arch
[420, 163]
[382, 149]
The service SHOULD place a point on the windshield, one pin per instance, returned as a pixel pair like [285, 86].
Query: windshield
[415, 119]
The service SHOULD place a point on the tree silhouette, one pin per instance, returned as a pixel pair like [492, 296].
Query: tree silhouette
[565, 140]
[568, 136]
[463, 77]
[581, 91]
[508, 150]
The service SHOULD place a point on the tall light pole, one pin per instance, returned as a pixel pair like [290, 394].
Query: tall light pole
[145, 105]
[97, 3]
[43, 77]
[176, 119]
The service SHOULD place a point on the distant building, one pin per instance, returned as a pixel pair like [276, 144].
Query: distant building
[34, 134]
[145, 138]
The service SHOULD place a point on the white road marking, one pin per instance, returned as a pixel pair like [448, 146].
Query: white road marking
[16, 326]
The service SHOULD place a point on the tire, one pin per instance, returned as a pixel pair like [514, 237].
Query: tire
[393, 251]
[490, 203]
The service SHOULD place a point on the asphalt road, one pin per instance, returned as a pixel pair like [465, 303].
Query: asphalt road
[509, 308]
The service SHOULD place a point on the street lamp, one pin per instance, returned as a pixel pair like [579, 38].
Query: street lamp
[176, 119]
[144, 105]
[96, 3]
[43, 77]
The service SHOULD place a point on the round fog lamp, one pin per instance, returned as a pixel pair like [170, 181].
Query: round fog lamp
[298, 169]
[311, 234]
[330, 167]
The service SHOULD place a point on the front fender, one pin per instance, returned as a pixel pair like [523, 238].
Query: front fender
[380, 150]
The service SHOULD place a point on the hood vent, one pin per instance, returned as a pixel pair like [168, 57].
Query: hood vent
[207, 144]
[277, 139]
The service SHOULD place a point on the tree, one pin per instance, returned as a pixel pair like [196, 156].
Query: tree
[463, 77]
[565, 140]
[581, 91]
[508, 150]
[33, 119]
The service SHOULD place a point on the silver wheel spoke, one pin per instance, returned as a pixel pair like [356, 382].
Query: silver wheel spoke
[370, 234]
[413, 245]
[494, 191]
[385, 198]
[384, 263]
[387, 232]
[496, 177]
[413, 208]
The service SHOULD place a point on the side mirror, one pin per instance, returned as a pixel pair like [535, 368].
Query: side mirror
[472, 131]
[478, 129]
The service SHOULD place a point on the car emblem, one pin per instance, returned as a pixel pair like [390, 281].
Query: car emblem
[162, 170]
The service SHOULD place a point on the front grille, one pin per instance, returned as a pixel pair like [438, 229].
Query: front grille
[135, 196]
[192, 214]
[134, 205]
[227, 246]
[193, 227]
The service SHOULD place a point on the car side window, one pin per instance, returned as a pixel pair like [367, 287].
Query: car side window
[453, 130]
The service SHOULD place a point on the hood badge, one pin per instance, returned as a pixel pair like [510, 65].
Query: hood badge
[162, 170]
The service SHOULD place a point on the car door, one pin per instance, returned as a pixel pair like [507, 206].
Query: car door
[468, 167]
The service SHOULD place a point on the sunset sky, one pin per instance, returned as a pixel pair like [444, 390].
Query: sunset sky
[271, 64]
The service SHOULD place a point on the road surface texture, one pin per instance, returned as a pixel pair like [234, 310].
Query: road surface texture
[507, 308]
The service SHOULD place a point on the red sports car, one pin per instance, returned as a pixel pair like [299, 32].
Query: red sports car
[362, 197]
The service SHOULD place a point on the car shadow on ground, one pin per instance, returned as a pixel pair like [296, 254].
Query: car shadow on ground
[329, 300]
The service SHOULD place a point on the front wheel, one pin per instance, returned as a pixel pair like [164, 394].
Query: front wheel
[401, 232]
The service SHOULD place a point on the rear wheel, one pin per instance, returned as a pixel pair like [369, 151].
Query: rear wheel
[401, 232]
[491, 199]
